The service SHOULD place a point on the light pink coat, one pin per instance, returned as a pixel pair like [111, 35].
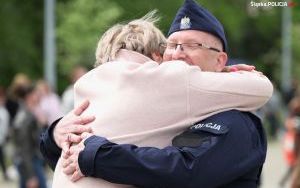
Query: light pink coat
[138, 101]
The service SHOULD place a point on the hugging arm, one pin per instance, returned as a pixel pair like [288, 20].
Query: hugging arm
[66, 130]
[211, 92]
[210, 160]
[243, 91]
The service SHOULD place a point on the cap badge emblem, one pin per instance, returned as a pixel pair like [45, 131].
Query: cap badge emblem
[185, 23]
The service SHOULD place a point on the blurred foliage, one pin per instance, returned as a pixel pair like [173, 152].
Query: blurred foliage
[254, 34]
[21, 38]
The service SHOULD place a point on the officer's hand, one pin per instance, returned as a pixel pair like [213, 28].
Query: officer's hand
[70, 160]
[69, 128]
[238, 67]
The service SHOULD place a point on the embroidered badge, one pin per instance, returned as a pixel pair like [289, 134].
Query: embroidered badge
[185, 23]
[210, 127]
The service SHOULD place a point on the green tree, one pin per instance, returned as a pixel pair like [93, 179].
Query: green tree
[21, 38]
[80, 24]
[253, 33]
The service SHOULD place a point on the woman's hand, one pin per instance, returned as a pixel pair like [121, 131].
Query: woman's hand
[70, 160]
[70, 127]
[238, 67]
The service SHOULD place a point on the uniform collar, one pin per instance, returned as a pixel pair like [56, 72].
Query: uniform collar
[128, 55]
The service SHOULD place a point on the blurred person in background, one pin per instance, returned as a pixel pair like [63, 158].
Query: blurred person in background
[293, 121]
[296, 175]
[291, 144]
[11, 104]
[68, 94]
[293, 91]
[4, 125]
[272, 113]
[26, 130]
[50, 103]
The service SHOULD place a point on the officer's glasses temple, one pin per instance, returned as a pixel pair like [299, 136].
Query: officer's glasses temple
[174, 45]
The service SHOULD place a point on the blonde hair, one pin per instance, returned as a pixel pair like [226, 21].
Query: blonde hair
[140, 35]
[20, 80]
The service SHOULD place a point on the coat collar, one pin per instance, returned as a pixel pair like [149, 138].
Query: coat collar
[128, 55]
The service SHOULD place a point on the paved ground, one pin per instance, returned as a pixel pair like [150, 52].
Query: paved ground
[275, 166]
[273, 170]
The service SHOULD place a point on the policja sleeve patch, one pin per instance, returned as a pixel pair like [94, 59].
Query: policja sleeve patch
[198, 134]
[210, 127]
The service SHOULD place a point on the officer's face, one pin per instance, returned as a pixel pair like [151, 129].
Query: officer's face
[194, 54]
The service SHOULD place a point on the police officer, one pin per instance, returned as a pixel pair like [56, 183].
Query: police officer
[225, 150]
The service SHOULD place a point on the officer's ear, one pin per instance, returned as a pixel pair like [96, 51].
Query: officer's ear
[221, 61]
[156, 56]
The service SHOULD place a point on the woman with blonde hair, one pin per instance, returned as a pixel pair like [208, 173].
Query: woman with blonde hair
[134, 98]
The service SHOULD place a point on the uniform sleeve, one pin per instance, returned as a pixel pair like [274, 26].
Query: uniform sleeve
[50, 151]
[211, 92]
[216, 160]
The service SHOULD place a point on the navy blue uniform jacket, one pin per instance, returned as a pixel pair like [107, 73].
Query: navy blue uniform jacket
[224, 150]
